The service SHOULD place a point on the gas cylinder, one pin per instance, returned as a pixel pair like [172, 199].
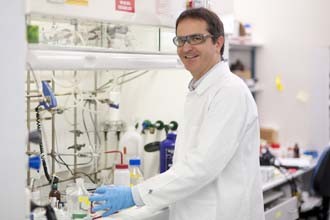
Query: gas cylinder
[167, 151]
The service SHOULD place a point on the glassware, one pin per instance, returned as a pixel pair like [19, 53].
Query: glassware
[78, 204]
[136, 175]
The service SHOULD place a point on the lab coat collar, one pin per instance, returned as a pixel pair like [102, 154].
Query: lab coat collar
[194, 84]
[216, 73]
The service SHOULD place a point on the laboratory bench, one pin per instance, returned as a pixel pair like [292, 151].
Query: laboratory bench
[278, 200]
[280, 180]
[140, 213]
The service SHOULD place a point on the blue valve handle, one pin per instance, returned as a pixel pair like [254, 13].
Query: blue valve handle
[50, 101]
[35, 162]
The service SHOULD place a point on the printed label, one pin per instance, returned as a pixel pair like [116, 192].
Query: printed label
[125, 5]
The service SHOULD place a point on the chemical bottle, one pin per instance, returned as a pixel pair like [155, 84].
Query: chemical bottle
[296, 153]
[276, 150]
[54, 196]
[166, 152]
[136, 175]
[289, 152]
[121, 175]
[131, 143]
[248, 30]
[78, 202]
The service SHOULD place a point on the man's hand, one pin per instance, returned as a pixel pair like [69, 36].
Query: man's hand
[112, 199]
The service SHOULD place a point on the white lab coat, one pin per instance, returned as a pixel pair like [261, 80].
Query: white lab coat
[215, 175]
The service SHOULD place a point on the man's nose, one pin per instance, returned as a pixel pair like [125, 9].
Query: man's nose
[186, 46]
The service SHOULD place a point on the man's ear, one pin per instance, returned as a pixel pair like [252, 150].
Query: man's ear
[219, 42]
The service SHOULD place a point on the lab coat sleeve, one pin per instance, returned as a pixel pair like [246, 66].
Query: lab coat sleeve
[223, 126]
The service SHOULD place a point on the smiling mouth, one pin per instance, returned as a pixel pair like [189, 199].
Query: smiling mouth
[190, 56]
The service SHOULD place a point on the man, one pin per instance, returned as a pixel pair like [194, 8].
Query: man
[215, 173]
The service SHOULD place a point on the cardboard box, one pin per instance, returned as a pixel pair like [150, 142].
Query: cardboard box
[269, 134]
[246, 74]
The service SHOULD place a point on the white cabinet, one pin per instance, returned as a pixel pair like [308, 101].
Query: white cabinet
[287, 209]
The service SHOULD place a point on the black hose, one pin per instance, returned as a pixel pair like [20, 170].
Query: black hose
[152, 147]
[44, 164]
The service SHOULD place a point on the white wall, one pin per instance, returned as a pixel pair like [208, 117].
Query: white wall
[12, 123]
[296, 37]
[158, 95]
[222, 7]
[319, 108]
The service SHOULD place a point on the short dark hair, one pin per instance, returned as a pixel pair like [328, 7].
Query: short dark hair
[214, 24]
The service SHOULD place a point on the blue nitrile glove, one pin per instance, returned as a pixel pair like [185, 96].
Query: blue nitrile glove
[112, 198]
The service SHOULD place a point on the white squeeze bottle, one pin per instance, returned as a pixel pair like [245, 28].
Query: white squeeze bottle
[136, 175]
[121, 172]
[131, 143]
[121, 175]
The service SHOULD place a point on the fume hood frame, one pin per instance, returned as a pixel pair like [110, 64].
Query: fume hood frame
[66, 58]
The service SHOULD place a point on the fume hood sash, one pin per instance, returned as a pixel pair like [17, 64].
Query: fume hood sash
[52, 59]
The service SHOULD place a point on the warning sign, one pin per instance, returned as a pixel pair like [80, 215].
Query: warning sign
[125, 5]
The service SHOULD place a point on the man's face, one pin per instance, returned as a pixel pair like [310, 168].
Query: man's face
[200, 58]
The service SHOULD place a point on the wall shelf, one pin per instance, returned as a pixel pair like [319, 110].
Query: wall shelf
[243, 49]
[242, 43]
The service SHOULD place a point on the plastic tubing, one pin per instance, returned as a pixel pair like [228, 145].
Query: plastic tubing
[116, 151]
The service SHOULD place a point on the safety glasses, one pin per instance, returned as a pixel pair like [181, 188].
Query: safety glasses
[193, 39]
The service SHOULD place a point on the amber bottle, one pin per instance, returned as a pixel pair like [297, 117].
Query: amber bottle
[54, 196]
[296, 153]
